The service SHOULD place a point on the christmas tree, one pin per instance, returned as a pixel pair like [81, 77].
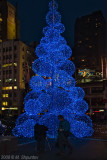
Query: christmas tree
[53, 89]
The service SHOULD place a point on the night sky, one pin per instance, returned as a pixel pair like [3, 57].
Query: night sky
[31, 14]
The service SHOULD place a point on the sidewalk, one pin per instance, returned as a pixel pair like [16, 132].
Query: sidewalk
[83, 149]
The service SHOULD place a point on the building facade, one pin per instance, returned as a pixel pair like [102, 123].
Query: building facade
[9, 24]
[90, 44]
[104, 66]
[15, 65]
[96, 97]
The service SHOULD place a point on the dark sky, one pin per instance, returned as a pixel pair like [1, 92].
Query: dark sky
[32, 14]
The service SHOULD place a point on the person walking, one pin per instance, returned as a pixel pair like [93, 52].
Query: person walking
[63, 134]
[2, 129]
[40, 136]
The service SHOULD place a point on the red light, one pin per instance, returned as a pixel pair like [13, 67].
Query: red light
[96, 111]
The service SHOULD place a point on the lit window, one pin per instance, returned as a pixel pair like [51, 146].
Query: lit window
[7, 88]
[8, 80]
[15, 87]
[5, 103]
[10, 87]
[82, 60]
[5, 95]
[7, 65]
[15, 64]
[15, 108]
[3, 108]
[1, 19]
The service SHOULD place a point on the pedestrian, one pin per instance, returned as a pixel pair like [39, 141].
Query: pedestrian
[63, 134]
[40, 136]
[2, 129]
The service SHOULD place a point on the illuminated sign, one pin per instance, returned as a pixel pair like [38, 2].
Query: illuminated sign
[86, 72]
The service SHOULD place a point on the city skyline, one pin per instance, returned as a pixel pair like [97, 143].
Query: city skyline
[32, 16]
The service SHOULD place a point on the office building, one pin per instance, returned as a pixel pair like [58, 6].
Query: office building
[89, 45]
[9, 24]
[14, 75]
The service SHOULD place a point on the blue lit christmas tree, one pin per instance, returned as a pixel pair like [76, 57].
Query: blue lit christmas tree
[53, 87]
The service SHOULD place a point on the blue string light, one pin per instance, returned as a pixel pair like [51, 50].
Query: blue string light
[77, 93]
[42, 68]
[45, 99]
[37, 83]
[51, 121]
[81, 129]
[67, 66]
[49, 18]
[33, 107]
[31, 95]
[53, 91]
[25, 129]
[79, 106]
[51, 6]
